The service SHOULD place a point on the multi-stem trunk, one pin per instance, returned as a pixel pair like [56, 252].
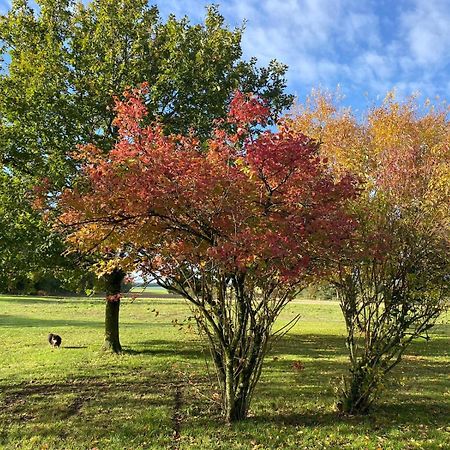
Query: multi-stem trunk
[236, 395]
[237, 320]
[239, 369]
[360, 390]
[113, 287]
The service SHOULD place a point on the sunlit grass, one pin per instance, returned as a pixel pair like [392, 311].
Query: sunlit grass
[77, 397]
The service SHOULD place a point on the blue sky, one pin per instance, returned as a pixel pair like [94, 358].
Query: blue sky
[367, 47]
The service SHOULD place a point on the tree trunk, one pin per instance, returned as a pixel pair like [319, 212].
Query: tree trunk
[236, 398]
[360, 392]
[113, 288]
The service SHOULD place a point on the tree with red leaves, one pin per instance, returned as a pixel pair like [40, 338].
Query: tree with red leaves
[237, 226]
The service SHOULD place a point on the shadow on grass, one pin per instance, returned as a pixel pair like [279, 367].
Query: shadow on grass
[311, 346]
[383, 417]
[83, 409]
[163, 299]
[14, 321]
[185, 349]
[82, 387]
[74, 347]
[326, 345]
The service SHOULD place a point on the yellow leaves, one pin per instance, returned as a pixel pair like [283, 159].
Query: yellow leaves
[244, 168]
[106, 266]
[333, 127]
[82, 239]
[401, 150]
[401, 124]
[362, 147]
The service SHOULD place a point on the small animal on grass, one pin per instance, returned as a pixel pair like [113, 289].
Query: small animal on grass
[54, 340]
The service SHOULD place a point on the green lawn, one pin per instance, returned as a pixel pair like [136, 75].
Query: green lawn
[79, 398]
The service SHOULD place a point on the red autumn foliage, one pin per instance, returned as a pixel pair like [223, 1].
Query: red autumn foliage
[264, 204]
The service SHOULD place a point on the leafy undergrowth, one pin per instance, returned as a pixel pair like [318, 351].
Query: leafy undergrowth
[160, 393]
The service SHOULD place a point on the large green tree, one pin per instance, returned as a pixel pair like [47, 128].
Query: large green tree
[64, 63]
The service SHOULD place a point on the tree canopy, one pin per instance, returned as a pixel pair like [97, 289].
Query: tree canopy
[64, 63]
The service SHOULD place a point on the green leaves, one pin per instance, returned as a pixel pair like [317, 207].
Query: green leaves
[25, 241]
[69, 60]
[64, 63]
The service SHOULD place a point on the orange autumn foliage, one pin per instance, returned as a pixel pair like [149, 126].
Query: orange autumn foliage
[401, 150]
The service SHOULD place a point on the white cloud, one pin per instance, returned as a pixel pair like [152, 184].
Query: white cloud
[366, 46]
[362, 28]
[318, 39]
[356, 44]
[427, 31]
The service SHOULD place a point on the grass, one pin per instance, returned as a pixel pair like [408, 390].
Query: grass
[160, 392]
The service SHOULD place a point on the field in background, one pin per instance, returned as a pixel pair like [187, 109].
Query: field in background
[161, 394]
[150, 292]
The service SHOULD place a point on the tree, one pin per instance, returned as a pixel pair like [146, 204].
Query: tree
[69, 60]
[65, 62]
[31, 259]
[236, 226]
[393, 285]
[23, 238]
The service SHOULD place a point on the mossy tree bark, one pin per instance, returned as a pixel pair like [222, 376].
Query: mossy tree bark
[113, 287]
